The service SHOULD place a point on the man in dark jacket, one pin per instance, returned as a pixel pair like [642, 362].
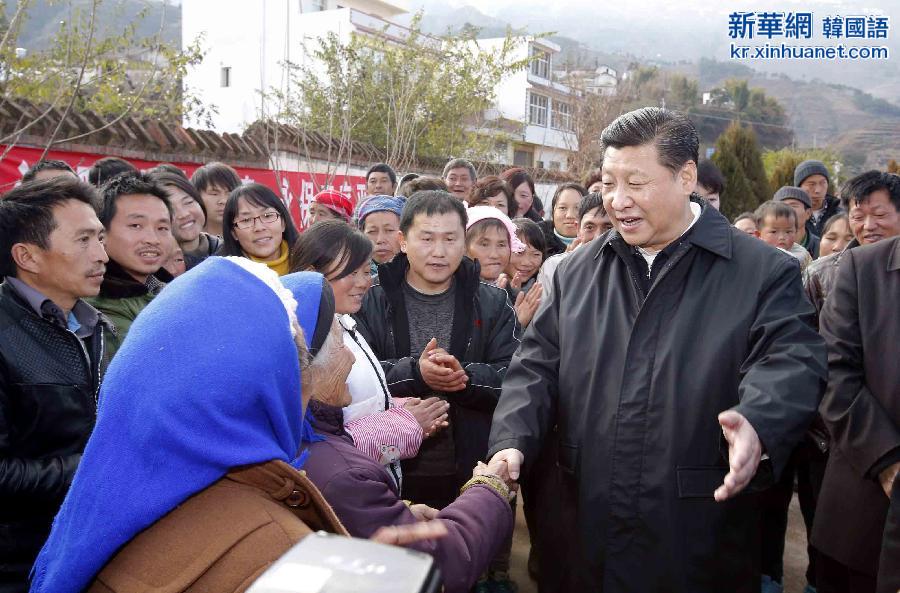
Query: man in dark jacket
[51, 358]
[861, 409]
[438, 330]
[672, 331]
[812, 177]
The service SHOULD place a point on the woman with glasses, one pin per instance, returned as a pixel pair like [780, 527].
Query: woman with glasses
[259, 227]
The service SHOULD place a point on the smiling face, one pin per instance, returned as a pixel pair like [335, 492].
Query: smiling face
[262, 239]
[490, 247]
[350, 290]
[565, 212]
[435, 246]
[383, 230]
[459, 181]
[874, 219]
[188, 219]
[526, 264]
[648, 204]
[139, 235]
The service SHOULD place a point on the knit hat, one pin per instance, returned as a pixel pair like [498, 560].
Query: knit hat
[478, 213]
[789, 192]
[807, 168]
[381, 204]
[336, 202]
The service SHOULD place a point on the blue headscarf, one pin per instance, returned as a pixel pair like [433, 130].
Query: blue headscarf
[208, 379]
[381, 204]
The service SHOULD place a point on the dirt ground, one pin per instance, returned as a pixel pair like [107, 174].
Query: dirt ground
[794, 553]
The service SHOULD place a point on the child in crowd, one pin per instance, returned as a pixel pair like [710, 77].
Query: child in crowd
[777, 224]
[746, 222]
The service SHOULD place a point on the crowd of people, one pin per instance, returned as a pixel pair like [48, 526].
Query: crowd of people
[189, 385]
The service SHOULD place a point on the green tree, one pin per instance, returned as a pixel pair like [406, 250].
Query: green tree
[112, 73]
[738, 157]
[780, 164]
[427, 96]
[684, 92]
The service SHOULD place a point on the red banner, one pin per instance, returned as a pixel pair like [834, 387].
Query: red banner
[296, 189]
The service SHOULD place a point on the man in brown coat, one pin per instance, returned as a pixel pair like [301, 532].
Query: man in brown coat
[861, 325]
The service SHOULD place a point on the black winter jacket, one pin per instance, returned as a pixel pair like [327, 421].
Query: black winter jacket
[484, 337]
[48, 404]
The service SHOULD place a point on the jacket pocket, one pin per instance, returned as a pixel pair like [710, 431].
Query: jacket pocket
[699, 482]
[567, 457]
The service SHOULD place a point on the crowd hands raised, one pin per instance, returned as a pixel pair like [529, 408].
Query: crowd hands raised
[451, 349]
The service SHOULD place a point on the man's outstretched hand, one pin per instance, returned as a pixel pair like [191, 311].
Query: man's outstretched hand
[744, 453]
[507, 464]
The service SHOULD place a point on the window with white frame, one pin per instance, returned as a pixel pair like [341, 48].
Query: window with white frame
[561, 117]
[540, 62]
[537, 109]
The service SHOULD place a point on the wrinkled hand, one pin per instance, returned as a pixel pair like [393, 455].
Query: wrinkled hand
[440, 370]
[888, 476]
[496, 469]
[401, 535]
[507, 464]
[423, 512]
[431, 413]
[574, 244]
[527, 303]
[744, 453]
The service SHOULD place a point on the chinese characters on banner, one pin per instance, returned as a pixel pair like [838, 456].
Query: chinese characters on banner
[296, 189]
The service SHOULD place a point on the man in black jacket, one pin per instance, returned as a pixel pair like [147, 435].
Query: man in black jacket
[51, 358]
[812, 177]
[439, 331]
[669, 333]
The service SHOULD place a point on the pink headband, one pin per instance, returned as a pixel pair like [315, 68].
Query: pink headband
[479, 213]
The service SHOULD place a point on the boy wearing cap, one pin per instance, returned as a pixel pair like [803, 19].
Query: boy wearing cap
[799, 201]
[812, 177]
[330, 204]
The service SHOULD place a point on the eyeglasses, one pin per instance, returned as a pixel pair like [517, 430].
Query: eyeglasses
[267, 219]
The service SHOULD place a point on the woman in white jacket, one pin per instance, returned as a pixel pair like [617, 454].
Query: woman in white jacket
[383, 428]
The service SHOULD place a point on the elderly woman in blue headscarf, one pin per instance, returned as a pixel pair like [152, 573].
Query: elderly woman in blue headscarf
[191, 481]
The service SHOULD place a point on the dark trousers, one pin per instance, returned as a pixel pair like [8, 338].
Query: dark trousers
[807, 464]
[889, 563]
[835, 577]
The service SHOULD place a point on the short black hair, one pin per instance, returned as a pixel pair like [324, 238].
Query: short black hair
[588, 203]
[331, 246]
[775, 210]
[46, 165]
[26, 214]
[256, 194]
[858, 189]
[709, 176]
[163, 178]
[107, 168]
[383, 168]
[407, 177]
[563, 187]
[169, 168]
[128, 184]
[218, 174]
[420, 183]
[673, 134]
[531, 234]
[429, 203]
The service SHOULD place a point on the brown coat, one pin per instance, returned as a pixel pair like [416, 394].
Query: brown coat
[861, 407]
[221, 539]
